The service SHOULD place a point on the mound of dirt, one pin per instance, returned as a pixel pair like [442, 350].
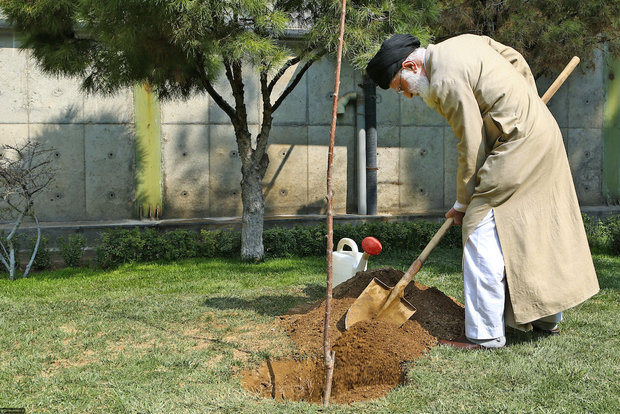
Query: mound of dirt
[369, 356]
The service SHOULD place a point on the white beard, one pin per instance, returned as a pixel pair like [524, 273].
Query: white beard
[419, 85]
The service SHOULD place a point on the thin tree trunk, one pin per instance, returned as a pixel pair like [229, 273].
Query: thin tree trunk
[11, 260]
[36, 247]
[329, 355]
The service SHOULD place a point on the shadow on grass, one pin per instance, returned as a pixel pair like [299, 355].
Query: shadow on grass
[515, 337]
[269, 305]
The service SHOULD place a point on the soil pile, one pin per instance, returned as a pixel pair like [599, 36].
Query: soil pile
[369, 356]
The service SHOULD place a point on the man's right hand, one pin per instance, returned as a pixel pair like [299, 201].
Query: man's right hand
[456, 215]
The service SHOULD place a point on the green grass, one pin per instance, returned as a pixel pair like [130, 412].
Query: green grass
[172, 338]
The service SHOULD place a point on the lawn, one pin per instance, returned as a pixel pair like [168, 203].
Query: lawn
[173, 338]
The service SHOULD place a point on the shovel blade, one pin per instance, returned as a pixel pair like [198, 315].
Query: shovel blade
[367, 306]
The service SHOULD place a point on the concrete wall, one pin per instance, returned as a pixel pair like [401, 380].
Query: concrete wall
[95, 146]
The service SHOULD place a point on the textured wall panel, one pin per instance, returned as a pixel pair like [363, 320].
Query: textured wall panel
[285, 185]
[343, 170]
[415, 112]
[13, 133]
[421, 168]
[224, 172]
[65, 198]
[585, 148]
[110, 172]
[587, 96]
[450, 162]
[388, 107]
[321, 87]
[114, 109]
[558, 105]
[294, 109]
[54, 99]
[388, 175]
[13, 86]
[195, 110]
[185, 159]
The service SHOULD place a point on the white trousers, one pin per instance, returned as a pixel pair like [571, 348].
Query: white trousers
[485, 283]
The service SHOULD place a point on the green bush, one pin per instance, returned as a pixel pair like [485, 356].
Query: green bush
[148, 245]
[603, 235]
[613, 226]
[280, 242]
[43, 259]
[394, 236]
[72, 249]
[207, 244]
[218, 243]
[179, 244]
[228, 243]
[120, 246]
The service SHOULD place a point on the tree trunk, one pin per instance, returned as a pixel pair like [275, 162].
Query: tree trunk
[253, 167]
[253, 213]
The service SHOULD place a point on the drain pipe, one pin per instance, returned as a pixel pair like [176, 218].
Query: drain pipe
[370, 94]
[361, 144]
[360, 120]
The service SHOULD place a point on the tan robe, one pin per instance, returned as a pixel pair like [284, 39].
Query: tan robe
[511, 159]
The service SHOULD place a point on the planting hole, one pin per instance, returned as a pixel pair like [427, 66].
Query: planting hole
[371, 357]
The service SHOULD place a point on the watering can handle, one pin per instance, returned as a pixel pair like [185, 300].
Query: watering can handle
[347, 242]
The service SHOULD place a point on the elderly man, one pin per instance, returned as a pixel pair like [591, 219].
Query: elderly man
[526, 257]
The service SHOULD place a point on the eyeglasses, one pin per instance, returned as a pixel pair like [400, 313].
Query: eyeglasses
[400, 79]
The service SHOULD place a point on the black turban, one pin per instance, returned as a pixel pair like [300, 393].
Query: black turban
[387, 62]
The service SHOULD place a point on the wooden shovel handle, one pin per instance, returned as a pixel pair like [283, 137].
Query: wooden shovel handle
[560, 79]
[399, 289]
[417, 264]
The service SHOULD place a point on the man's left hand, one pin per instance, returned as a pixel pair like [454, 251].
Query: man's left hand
[456, 215]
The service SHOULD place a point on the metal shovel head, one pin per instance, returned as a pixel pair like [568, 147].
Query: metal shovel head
[367, 306]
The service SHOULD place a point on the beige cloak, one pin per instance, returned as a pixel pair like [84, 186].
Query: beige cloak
[511, 159]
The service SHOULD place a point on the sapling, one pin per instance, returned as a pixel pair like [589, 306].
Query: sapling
[25, 170]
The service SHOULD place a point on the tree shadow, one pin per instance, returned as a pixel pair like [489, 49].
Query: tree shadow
[268, 305]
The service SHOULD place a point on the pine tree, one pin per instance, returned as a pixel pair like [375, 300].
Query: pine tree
[181, 47]
[547, 32]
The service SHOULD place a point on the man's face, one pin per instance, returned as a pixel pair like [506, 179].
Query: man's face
[411, 83]
[399, 86]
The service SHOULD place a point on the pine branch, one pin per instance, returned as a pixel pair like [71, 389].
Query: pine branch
[219, 100]
[281, 72]
[292, 85]
[262, 138]
[236, 83]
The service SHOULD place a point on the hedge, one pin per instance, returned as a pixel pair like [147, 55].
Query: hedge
[135, 245]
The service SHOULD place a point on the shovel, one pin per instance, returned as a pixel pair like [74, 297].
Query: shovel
[380, 302]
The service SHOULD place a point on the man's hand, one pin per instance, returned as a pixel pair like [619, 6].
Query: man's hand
[456, 215]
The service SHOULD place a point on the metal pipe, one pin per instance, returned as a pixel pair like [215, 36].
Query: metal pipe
[360, 166]
[360, 123]
[370, 102]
